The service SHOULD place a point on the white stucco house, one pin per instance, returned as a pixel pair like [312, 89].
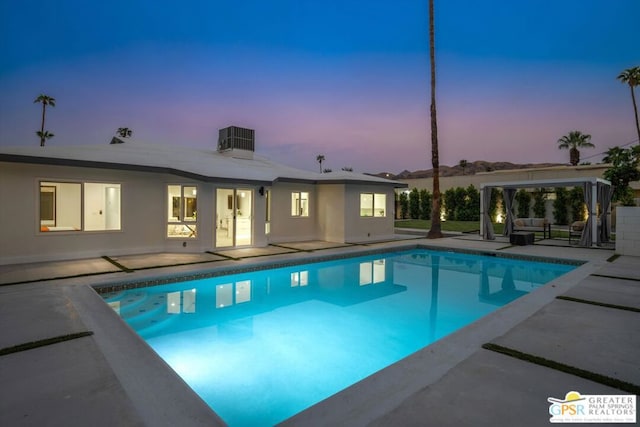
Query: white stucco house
[126, 197]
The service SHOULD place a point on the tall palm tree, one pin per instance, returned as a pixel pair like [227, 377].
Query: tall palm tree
[572, 141]
[436, 230]
[320, 159]
[124, 132]
[45, 100]
[631, 76]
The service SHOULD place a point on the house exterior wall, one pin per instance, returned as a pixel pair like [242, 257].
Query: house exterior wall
[362, 229]
[332, 212]
[284, 226]
[260, 238]
[142, 227]
[143, 215]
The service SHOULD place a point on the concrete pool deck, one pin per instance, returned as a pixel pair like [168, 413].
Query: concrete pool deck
[99, 372]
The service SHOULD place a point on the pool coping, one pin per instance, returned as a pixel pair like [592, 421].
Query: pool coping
[132, 283]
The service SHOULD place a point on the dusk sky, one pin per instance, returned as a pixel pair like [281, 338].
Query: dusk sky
[348, 79]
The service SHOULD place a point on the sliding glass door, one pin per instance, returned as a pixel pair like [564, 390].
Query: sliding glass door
[234, 217]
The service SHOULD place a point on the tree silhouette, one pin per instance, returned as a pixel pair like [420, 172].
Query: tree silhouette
[572, 141]
[44, 136]
[631, 76]
[436, 228]
[124, 132]
[320, 159]
[44, 100]
[463, 164]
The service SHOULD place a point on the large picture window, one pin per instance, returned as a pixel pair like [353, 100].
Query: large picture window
[373, 204]
[75, 206]
[299, 203]
[182, 211]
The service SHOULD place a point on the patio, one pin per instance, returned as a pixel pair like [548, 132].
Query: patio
[106, 370]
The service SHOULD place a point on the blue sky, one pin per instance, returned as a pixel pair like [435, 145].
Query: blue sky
[347, 79]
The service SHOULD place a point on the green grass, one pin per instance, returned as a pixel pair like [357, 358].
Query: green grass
[459, 226]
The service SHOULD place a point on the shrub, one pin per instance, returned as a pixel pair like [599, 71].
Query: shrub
[523, 199]
[449, 199]
[625, 197]
[496, 199]
[471, 205]
[576, 202]
[414, 204]
[459, 210]
[624, 169]
[425, 204]
[539, 205]
[560, 204]
[404, 205]
[462, 204]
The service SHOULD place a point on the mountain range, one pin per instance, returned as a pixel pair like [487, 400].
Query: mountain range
[470, 169]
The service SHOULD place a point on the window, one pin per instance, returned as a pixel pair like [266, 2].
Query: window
[372, 272]
[74, 206]
[300, 278]
[101, 206]
[233, 293]
[182, 211]
[299, 203]
[373, 204]
[181, 302]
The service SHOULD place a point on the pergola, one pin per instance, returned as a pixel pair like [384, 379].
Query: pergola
[596, 191]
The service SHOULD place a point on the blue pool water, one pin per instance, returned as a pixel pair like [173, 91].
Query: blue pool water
[260, 347]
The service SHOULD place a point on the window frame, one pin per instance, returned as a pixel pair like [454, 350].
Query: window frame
[373, 208]
[301, 211]
[188, 226]
[54, 184]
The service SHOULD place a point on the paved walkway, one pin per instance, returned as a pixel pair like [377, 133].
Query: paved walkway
[65, 359]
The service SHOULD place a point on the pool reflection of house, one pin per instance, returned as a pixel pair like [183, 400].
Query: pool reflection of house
[126, 197]
[231, 303]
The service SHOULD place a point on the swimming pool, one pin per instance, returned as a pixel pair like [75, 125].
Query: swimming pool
[260, 347]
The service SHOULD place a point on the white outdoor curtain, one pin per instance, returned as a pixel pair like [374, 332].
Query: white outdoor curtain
[587, 238]
[508, 195]
[604, 199]
[487, 224]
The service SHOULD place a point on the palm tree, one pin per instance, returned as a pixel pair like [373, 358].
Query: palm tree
[631, 76]
[436, 231]
[463, 164]
[44, 136]
[45, 100]
[320, 159]
[572, 141]
[124, 132]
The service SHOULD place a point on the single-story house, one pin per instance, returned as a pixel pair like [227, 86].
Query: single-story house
[127, 197]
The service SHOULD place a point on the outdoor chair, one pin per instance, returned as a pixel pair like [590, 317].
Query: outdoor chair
[575, 230]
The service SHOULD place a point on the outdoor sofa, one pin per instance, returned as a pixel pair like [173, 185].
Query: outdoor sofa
[533, 224]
